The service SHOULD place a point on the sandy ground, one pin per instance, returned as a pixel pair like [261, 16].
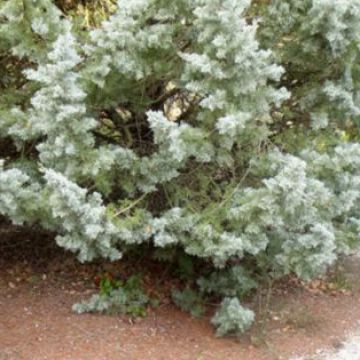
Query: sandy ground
[36, 321]
[350, 350]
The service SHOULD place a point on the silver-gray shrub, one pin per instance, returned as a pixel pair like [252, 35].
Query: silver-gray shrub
[259, 166]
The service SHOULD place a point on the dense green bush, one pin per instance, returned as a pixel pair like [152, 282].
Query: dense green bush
[224, 129]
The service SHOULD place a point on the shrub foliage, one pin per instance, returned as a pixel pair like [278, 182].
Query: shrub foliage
[221, 128]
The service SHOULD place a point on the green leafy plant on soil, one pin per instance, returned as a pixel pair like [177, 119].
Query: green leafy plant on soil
[117, 296]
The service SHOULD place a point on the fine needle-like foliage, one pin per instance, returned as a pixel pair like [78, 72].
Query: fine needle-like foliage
[224, 129]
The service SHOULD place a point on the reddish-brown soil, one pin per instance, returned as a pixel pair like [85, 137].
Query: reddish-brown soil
[36, 321]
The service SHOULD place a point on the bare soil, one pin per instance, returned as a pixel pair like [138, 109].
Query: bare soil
[38, 288]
